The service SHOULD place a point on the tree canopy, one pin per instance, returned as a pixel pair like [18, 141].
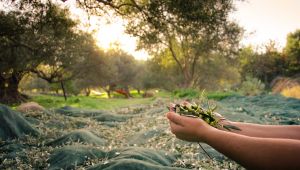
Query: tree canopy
[40, 38]
[292, 52]
[192, 44]
[189, 31]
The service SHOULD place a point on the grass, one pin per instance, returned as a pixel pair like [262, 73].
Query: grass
[220, 95]
[196, 94]
[103, 103]
[91, 102]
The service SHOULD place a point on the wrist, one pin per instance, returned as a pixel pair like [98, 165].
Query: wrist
[206, 134]
[213, 136]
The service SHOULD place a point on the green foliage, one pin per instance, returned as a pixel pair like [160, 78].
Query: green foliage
[95, 70]
[196, 94]
[114, 69]
[182, 33]
[187, 93]
[220, 95]
[135, 94]
[40, 38]
[123, 65]
[212, 73]
[265, 66]
[292, 51]
[216, 73]
[163, 93]
[269, 64]
[161, 73]
[43, 36]
[68, 47]
[71, 88]
[251, 86]
[32, 82]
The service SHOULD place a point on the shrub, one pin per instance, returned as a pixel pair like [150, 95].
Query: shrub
[186, 93]
[220, 95]
[251, 86]
[148, 94]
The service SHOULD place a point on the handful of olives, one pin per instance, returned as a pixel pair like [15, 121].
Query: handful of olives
[196, 111]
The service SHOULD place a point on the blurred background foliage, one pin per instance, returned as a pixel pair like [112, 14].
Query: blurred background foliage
[43, 50]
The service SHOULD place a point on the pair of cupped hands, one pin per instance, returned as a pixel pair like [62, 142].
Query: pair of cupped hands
[189, 128]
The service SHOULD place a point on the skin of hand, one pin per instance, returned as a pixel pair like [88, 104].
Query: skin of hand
[187, 128]
[250, 152]
[263, 131]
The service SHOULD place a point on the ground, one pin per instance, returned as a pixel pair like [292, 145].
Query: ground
[107, 133]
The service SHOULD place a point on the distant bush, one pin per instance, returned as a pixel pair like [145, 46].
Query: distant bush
[186, 93]
[197, 94]
[220, 95]
[117, 95]
[287, 86]
[148, 94]
[251, 86]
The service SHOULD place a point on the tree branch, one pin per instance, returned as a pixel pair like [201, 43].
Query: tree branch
[175, 56]
[18, 43]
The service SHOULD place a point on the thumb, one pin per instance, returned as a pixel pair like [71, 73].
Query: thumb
[173, 117]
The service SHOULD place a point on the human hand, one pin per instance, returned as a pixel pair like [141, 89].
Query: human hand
[217, 116]
[189, 129]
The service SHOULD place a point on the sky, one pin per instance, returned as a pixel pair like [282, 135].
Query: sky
[266, 20]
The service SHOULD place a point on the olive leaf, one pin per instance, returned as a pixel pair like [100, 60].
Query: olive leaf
[230, 127]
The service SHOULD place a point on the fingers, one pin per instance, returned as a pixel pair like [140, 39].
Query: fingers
[172, 107]
[175, 118]
[175, 128]
[175, 122]
[181, 120]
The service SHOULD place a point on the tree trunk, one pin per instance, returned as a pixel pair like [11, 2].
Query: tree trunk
[9, 90]
[108, 93]
[188, 82]
[139, 91]
[128, 95]
[56, 92]
[183, 66]
[107, 90]
[110, 89]
[63, 89]
[87, 92]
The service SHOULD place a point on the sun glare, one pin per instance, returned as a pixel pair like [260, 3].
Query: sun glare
[107, 34]
[112, 35]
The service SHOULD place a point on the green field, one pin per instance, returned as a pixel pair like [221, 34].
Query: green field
[103, 103]
[92, 102]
